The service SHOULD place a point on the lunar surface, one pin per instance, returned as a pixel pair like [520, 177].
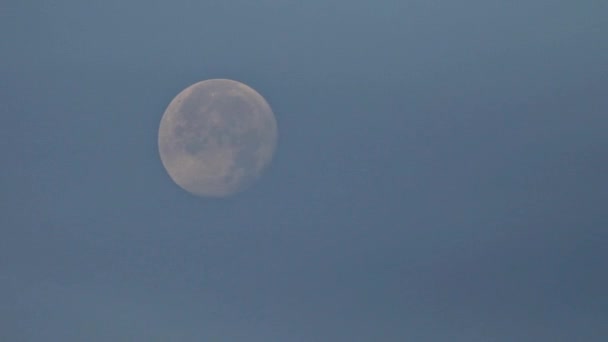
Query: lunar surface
[216, 137]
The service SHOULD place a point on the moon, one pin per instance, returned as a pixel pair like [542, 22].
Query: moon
[217, 137]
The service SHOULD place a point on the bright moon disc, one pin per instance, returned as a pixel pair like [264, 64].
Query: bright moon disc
[216, 137]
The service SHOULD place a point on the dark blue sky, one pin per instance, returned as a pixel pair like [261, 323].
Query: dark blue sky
[440, 173]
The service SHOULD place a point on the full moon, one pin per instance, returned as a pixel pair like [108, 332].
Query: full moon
[216, 137]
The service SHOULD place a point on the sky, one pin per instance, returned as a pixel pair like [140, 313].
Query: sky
[440, 173]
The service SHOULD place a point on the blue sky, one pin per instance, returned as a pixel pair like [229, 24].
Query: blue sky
[440, 173]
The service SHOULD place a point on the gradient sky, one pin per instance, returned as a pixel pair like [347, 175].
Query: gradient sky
[441, 173]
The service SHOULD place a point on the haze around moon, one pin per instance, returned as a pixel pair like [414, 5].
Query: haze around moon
[216, 137]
